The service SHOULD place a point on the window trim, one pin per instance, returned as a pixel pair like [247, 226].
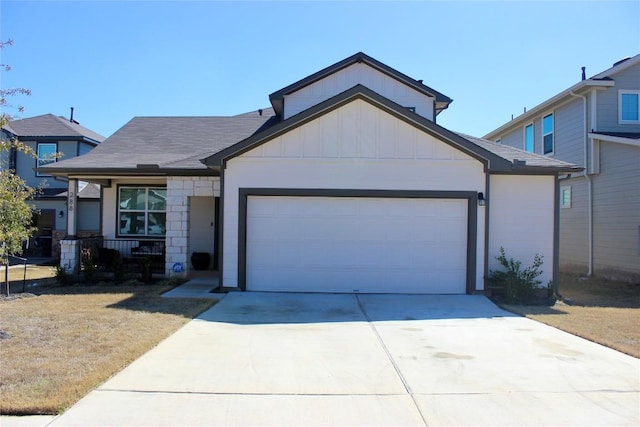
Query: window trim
[38, 159]
[565, 189]
[146, 211]
[552, 133]
[533, 139]
[628, 92]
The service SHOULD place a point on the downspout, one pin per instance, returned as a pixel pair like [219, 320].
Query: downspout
[589, 183]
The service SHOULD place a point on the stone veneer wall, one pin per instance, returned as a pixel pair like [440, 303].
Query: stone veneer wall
[179, 189]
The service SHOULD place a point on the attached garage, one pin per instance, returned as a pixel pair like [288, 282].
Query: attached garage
[358, 241]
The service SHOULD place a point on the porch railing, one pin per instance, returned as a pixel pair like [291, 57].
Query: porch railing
[130, 255]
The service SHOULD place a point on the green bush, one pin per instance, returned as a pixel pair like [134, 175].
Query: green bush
[61, 274]
[518, 285]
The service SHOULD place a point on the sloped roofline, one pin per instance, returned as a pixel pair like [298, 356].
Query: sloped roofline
[599, 81]
[78, 132]
[492, 161]
[277, 98]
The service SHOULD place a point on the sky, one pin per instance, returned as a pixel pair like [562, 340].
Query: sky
[113, 60]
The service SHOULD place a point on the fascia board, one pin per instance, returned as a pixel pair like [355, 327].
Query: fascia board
[616, 139]
[561, 98]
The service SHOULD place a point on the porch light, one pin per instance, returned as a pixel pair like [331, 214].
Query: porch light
[481, 200]
[61, 214]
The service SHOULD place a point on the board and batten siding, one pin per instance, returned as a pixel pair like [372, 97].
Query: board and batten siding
[356, 146]
[607, 102]
[522, 221]
[351, 76]
[616, 210]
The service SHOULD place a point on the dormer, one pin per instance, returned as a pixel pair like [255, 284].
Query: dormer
[359, 69]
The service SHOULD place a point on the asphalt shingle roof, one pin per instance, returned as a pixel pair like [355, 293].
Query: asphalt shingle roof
[50, 125]
[512, 154]
[168, 142]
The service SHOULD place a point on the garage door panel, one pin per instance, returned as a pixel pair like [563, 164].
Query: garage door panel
[350, 244]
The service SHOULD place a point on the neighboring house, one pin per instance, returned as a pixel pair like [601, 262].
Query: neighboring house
[346, 185]
[47, 135]
[596, 124]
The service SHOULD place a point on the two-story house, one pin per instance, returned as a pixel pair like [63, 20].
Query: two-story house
[52, 139]
[346, 184]
[596, 124]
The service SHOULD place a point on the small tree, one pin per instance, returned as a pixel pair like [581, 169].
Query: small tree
[15, 212]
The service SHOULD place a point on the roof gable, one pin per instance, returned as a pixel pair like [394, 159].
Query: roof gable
[51, 126]
[491, 156]
[277, 98]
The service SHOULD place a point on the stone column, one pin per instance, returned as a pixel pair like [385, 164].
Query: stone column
[69, 255]
[72, 202]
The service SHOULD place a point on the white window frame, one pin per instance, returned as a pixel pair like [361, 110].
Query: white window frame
[627, 92]
[146, 211]
[564, 203]
[552, 133]
[533, 138]
[45, 160]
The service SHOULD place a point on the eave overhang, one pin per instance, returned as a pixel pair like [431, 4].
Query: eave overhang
[492, 162]
[565, 96]
[277, 98]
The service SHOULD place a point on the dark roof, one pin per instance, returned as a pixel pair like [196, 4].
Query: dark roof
[277, 98]
[498, 158]
[158, 145]
[513, 155]
[629, 135]
[48, 125]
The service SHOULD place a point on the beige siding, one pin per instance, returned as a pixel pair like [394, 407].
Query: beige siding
[521, 220]
[356, 146]
[350, 76]
[616, 194]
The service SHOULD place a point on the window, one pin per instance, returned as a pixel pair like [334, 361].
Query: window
[46, 154]
[547, 134]
[565, 196]
[528, 138]
[142, 211]
[629, 106]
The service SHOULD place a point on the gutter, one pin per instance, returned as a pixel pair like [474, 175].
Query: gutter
[589, 184]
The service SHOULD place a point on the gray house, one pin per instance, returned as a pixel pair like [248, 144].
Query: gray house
[596, 124]
[46, 135]
[346, 184]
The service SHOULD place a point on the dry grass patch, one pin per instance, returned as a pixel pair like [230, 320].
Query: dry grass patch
[58, 346]
[602, 311]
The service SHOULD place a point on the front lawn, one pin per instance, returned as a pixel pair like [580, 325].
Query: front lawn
[61, 344]
[602, 311]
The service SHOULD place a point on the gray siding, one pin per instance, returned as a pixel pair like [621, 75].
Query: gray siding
[515, 138]
[574, 228]
[608, 102]
[569, 132]
[616, 195]
[25, 165]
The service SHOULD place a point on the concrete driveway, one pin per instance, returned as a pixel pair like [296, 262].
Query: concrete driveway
[402, 360]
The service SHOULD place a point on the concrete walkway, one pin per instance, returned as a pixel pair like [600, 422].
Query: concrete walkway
[275, 359]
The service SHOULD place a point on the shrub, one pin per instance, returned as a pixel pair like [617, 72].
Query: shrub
[88, 266]
[518, 285]
[61, 274]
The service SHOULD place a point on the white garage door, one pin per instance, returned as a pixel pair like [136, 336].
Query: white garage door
[356, 244]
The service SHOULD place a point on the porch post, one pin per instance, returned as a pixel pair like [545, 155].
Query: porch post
[72, 197]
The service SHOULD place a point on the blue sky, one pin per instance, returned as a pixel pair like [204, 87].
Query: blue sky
[116, 60]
